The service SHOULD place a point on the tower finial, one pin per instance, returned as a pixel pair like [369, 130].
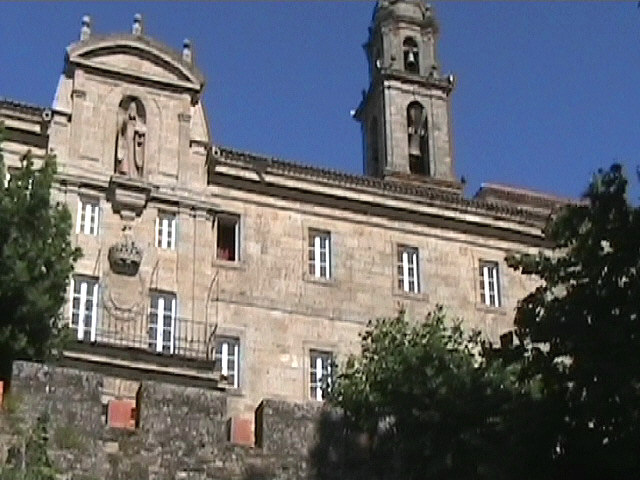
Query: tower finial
[85, 29]
[136, 29]
[186, 51]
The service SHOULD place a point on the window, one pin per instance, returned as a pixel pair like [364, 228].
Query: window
[410, 55]
[408, 272]
[321, 375]
[162, 322]
[166, 231]
[489, 284]
[88, 216]
[227, 238]
[227, 360]
[319, 254]
[84, 307]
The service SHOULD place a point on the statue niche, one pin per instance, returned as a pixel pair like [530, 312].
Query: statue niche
[131, 138]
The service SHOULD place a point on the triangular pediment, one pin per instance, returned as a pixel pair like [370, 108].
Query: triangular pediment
[138, 57]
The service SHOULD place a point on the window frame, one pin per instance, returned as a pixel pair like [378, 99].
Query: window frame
[157, 344]
[227, 218]
[83, 295]
[315, 245]
[165, 234]
[228, 341]
[88, 206]
[403, 267]
[315, 386]
[489, 274]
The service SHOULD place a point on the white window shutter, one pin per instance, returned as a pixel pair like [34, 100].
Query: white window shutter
[173, 233]
[173, 325]
[160, 325]
[485, 280]
[79, 216]
[82, 307]
[71, 294]
[405, 271]
[96, 218]
[327, 240]
[236, 363]
[316, 251]
[224, 360]
[94, 313]
[495, 286]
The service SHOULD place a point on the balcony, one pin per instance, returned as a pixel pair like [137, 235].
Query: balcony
[144, 341]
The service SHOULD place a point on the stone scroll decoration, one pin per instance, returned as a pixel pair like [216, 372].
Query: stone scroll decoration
[131, 138]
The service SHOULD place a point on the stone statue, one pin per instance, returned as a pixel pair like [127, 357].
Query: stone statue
[131, 143]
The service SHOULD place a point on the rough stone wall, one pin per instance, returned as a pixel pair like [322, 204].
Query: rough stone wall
[182, 431]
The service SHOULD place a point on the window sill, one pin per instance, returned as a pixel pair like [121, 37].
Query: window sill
[230, 264]
[481, 307]
[327, 282]
[419, 296]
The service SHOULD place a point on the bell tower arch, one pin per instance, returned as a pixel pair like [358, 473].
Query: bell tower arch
[405, 112]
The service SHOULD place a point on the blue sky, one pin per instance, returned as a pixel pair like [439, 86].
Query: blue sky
[546, 92]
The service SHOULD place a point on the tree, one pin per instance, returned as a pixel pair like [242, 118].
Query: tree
[436, 404]
[36, 260]
[579, 332]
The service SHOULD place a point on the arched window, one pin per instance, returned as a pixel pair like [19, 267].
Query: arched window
[411, 55]
[374, 151]
[417, 139]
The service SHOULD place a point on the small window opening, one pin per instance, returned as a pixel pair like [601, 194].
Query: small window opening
[227, 239]
[411, 56]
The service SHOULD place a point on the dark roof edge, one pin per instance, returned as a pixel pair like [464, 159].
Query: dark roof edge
[420, 193]
[21, 106]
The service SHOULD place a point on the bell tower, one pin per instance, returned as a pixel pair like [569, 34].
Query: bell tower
[405, 114]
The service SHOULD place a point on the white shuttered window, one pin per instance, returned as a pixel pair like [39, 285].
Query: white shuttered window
[88, 217]
[408, 269]
[166, 231]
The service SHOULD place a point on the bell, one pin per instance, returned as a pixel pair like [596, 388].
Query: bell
[411, 61]
[414, 145]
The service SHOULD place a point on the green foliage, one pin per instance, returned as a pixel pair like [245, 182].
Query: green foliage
[36, 260]
[580, 332]
[436, 404]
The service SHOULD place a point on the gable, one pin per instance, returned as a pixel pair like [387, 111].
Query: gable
[137, 57]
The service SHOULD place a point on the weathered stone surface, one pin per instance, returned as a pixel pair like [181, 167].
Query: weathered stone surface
[182, 431]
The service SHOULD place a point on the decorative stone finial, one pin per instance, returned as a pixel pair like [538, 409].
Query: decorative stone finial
[136, 29]
[85, 30]
[186, 50]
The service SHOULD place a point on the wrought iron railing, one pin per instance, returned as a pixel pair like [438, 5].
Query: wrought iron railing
[170, 336]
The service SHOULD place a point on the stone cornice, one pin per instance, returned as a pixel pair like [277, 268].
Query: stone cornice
[422, 197]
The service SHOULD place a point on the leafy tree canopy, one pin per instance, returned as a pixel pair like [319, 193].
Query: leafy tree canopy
[580, 331]
[36, 260]
[436, 403]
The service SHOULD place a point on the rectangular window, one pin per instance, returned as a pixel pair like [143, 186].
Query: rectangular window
[319, 254]
[162, 322]
[84, 307]
[228, 238]
[88, 217]
[489, 284]
[166, 231]
[321, 374]
[408, 271]
[227, 360]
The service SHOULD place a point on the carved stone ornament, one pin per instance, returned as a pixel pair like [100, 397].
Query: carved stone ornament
[125, 257]
[131, 141]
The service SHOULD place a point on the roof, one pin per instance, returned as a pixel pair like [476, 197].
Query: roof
[428, 194]
[21, 106]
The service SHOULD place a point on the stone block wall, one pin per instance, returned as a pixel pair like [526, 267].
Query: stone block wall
[182, 432]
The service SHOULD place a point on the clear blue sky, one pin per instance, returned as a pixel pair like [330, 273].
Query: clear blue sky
[546, 92]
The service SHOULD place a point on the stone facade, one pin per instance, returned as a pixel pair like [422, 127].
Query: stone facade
[242, 274]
